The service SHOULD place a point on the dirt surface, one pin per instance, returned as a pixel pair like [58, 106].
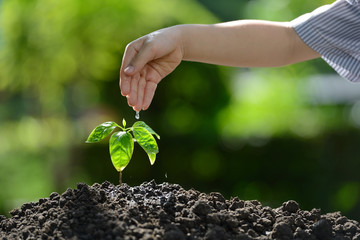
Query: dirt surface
[166, 211]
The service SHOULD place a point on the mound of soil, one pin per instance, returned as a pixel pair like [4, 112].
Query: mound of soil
[166, 211]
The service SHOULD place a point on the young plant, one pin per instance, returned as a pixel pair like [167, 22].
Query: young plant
[121, 143]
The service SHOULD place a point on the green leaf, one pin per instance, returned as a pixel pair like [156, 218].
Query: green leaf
[124, 122]
[147, 142]
[144, 125]
[121, 149]
[101, 131]
[152, 157]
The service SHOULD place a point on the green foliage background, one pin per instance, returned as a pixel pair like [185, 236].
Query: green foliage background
[252, 133]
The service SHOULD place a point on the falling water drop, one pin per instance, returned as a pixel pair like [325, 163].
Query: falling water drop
[137, 115]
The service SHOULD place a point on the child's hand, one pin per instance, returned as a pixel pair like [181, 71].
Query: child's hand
[146, 61]
[243, 43]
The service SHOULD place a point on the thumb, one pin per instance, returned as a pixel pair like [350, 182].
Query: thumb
[145, 55]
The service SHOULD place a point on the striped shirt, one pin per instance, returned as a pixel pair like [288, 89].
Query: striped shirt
[334, 32]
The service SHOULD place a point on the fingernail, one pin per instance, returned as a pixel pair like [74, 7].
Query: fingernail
[129, 69]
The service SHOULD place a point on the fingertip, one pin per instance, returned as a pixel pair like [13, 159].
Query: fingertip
[125, 91]
[131, 101]
[149, 94]
[124, 86]
[137, 109]
[129, 70]
[145, 106]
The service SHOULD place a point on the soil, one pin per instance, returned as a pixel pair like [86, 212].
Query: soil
[166, 211]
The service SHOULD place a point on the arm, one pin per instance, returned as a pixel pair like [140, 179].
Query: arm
[244, 43]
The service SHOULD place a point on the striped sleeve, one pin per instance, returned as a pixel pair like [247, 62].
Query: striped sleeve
[334, 32]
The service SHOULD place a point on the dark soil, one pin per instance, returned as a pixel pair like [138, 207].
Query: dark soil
[166, 211]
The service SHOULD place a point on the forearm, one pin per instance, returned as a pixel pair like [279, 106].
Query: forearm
[244, 43]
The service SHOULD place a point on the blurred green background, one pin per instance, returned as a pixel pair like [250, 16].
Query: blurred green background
[267, 134]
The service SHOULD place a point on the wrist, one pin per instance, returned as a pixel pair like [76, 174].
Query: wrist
[180, 38]
[191, 40]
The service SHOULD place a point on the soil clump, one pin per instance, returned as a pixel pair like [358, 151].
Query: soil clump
[167, 211]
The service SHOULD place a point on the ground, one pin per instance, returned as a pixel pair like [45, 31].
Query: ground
[167, 211]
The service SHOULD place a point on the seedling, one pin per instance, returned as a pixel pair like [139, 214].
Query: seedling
[121, 143]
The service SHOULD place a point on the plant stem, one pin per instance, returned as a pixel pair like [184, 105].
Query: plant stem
[120, 178]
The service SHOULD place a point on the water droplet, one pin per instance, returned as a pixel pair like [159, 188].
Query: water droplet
[137, 115]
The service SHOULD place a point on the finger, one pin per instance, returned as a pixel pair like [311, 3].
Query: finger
[141, 90]
[149, 94]
[132, 97]
[125, 78]
[131, 50]
[124, 84]
[146, 54]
